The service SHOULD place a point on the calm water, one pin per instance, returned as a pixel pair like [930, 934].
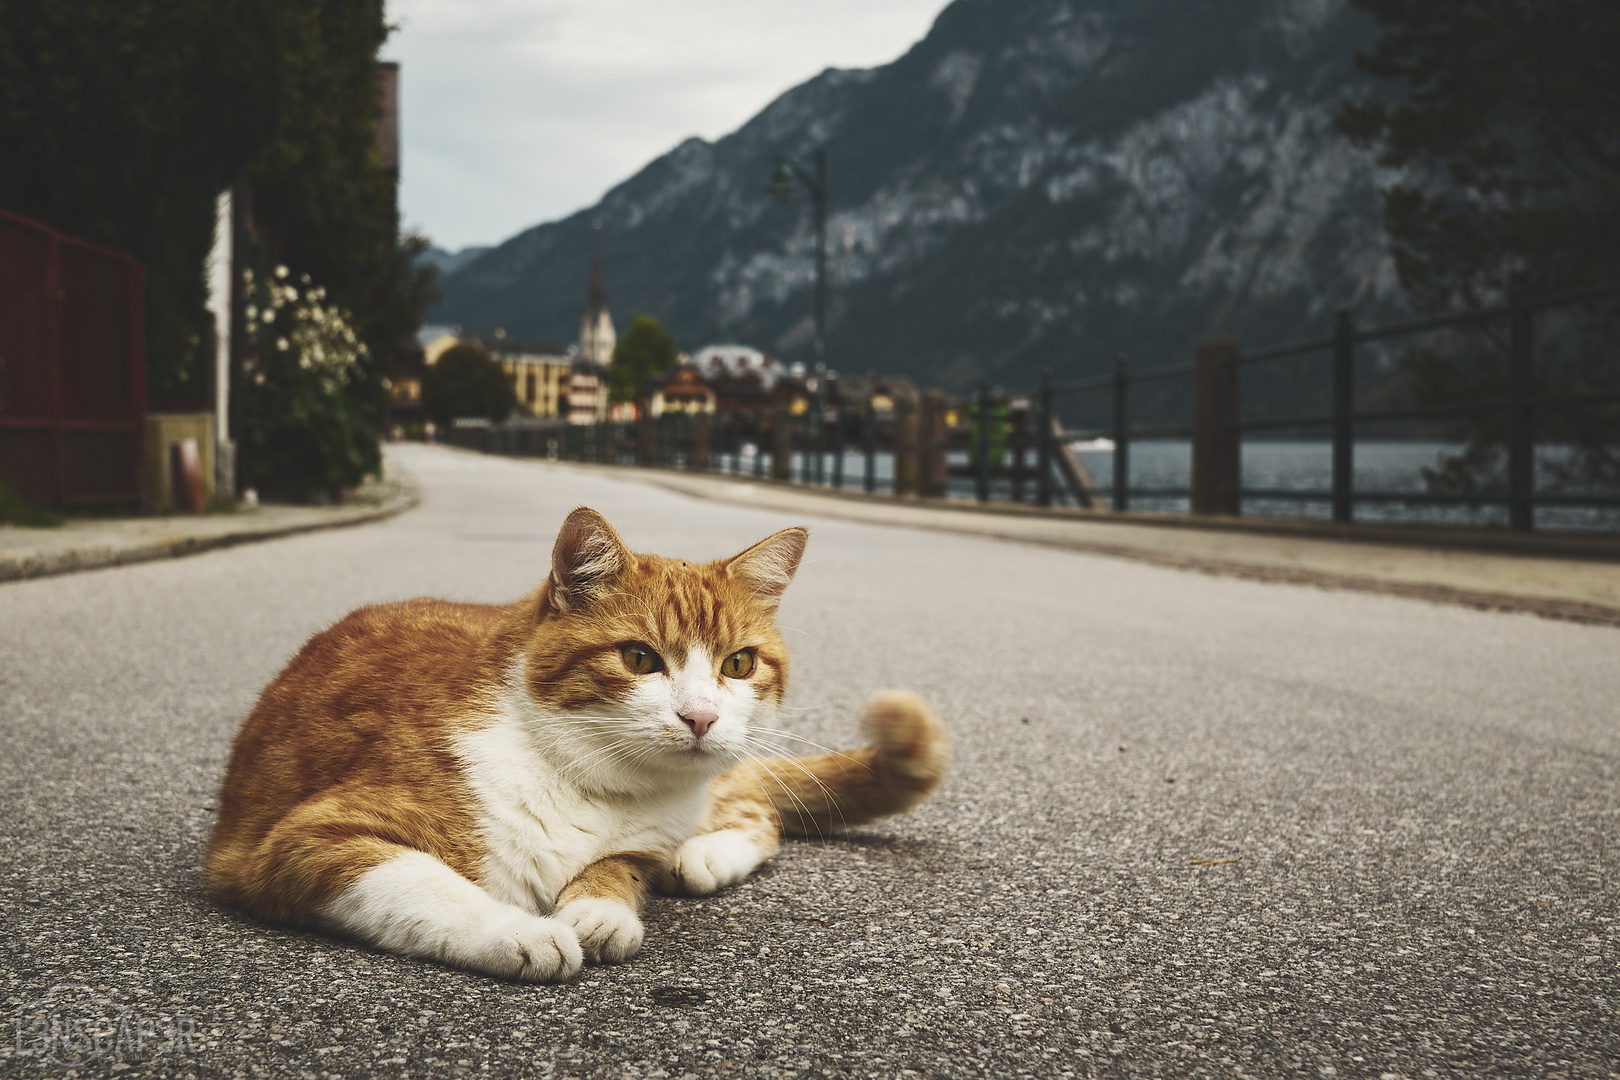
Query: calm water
[1384, 467]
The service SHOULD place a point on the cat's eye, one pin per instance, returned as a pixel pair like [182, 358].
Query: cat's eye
[739, 665]
[640, 659]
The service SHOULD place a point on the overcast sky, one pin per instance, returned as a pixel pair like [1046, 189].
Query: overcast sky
[515, 112]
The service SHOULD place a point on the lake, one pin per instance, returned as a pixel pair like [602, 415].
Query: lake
[1306, 465]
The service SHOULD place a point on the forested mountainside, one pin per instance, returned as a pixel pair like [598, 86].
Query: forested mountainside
[1036, 183]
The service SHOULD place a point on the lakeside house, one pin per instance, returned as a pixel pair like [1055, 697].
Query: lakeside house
[540, 372]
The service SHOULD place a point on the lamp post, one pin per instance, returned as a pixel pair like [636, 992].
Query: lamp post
[781, 188]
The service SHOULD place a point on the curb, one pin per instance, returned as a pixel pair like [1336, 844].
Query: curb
[26, 565]
[1563, 609]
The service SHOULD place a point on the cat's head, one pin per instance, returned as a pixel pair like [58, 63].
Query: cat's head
[657, 664]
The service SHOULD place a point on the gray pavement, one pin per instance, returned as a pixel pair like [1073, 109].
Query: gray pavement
[93, 543]
[1199, 826]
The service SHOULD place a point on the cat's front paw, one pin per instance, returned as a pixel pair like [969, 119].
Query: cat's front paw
[608, 930]
[712, 861]
[526, 947]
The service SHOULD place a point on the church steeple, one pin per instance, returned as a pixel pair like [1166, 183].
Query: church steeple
[596, 334]
[596, 298]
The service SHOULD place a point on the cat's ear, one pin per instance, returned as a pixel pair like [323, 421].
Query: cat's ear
[586, 558]
[768, 566]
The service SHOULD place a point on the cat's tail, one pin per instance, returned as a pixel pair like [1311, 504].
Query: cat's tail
[909, 754]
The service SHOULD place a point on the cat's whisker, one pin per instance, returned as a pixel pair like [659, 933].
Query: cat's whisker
[749, 763]
[778, 733]
[802, 768]
[832, 796]
[803, 808]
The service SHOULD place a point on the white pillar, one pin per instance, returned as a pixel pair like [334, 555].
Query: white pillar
[220, 268]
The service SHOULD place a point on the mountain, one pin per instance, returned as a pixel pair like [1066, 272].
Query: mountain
[448, 262]
[1035, 184]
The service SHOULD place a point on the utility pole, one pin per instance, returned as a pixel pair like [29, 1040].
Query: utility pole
[781, 188]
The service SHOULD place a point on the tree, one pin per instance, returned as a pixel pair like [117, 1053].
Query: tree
[121, 120]
[1503, 119]
[465, 382]
[124, 119]
[644, 351]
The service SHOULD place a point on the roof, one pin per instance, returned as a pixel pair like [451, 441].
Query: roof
[427, 335]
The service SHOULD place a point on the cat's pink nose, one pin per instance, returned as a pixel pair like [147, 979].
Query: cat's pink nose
[700, 720]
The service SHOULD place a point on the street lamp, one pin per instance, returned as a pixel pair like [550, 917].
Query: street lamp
[781, 188]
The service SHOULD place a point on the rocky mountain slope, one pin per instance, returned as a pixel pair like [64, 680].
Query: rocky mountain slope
[1036, 184]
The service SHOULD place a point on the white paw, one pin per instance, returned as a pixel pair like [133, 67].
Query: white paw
[712, 861]
[523, 946]
[608, 930]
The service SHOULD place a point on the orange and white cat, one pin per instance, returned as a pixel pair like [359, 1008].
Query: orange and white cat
[496, 787]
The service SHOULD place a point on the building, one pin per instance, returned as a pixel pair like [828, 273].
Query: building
[740, 376]
[587, 392]
[539, 371]
[436, 341]
[852, 391]
[683, 390]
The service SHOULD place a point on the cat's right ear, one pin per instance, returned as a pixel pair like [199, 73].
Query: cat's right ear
[768, 566]
[586, 558]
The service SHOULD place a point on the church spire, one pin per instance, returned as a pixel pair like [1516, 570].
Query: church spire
[596, 298]
[596, 335]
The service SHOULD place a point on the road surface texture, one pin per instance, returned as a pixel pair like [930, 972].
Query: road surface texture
[1199, 826]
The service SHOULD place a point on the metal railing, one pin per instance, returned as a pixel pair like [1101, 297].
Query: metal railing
[1010, 445]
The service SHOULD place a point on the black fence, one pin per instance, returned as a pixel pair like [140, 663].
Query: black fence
[1003, 446]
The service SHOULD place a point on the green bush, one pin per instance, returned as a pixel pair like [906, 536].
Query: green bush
[467, 383]
[305, 434]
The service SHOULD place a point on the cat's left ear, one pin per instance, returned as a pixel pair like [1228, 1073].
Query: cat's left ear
[768, 566]
[586, 558]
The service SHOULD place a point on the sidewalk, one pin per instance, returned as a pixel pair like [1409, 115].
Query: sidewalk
[89, 545]
[1556, 576]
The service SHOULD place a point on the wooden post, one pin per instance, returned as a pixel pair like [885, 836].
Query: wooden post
[981, 474]
[869, 446]
[698, 460]
[1521, 386]
[1017, 440]
[839, 420]
[933, 465]
[1217, 471]
[906, 465]
[1122, 436]
[1344, 427]
[646, 441]
[1043, 444]
[782, 445]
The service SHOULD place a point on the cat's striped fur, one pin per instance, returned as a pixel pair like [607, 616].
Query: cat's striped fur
[496, 787]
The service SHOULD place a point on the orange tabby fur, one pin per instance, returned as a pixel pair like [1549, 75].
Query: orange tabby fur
[357, 753]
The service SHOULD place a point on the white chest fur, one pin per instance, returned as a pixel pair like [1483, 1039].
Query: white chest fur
[542, 825]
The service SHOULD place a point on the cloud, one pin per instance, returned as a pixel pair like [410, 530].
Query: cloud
[515, 112]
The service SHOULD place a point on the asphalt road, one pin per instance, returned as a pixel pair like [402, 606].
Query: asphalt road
[1198, 826]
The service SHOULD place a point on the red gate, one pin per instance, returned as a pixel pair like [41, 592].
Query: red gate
[72, 366]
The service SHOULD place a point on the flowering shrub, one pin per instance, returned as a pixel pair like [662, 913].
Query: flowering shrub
[303, 436]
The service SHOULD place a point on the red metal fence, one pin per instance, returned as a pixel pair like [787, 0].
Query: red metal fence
[72, 366]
